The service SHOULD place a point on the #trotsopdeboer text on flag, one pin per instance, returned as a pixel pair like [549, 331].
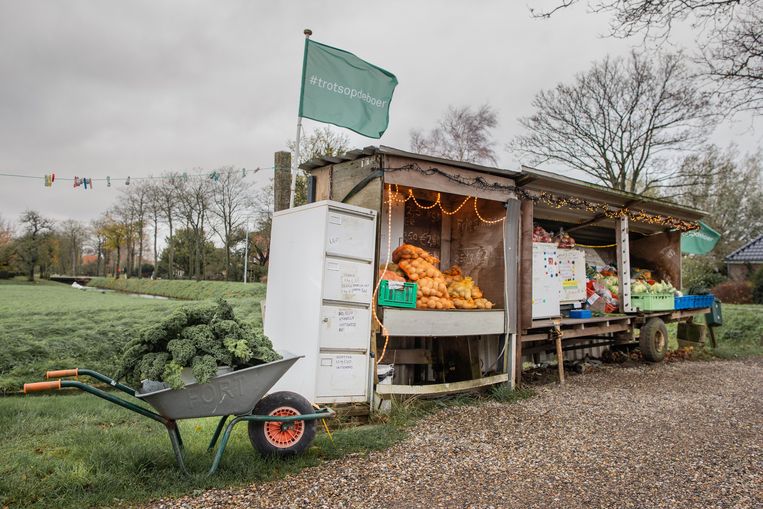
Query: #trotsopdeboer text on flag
[341, 89]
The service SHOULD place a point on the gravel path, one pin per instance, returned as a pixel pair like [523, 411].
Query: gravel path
[680, 435]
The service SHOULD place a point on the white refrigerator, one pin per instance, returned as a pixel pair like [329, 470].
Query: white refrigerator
[547, 285]
[319, 297]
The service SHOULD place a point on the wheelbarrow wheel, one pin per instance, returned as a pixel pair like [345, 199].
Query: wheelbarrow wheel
[272, 438]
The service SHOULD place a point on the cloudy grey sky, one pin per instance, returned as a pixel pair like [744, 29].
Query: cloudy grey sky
[114, 88]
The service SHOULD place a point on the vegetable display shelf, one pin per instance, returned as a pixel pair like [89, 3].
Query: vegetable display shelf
[652, 301]
[694, 301]
[403, 297]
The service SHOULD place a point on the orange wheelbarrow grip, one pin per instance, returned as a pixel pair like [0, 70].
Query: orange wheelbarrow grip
[60, 373]
[42, 386]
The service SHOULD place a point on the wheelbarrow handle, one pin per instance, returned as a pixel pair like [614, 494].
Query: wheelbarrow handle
[42, 386]
[60, 373]
[78, 372]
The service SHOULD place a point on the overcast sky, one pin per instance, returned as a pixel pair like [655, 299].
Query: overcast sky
[115, 88]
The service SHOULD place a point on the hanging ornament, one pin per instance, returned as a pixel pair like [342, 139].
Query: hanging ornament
[214, 176]
[84, 182]
[48, 181]
[243, 172]
[77, 182]
[52, 178]
[127, 181]
[108, 181]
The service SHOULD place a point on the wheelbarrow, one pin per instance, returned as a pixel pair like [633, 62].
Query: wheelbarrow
[280, 424]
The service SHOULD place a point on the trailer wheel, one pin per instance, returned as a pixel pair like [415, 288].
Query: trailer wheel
[272, 438]
[653, 340]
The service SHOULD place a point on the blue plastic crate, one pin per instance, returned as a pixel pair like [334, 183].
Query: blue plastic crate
[694, 301]
[580, 313]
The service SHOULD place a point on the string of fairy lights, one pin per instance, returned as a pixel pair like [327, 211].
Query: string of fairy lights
[438, 202]
[551, 199]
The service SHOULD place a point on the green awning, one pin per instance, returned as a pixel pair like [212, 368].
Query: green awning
[700, 241]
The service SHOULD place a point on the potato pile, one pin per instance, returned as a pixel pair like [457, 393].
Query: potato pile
[465, 293]
[419, 267]
[409, 252]
[436, 290]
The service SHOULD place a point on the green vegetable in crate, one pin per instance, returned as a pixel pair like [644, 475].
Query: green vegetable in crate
[200, 337]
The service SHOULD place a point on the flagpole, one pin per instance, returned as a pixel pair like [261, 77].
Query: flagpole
[295, 162]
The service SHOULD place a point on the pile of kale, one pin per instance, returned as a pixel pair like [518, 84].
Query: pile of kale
[201, 337]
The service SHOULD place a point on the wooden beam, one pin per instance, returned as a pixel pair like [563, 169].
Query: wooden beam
[525, 277]
[559, 355]
[409, 356]
[431, 322]
[511, 233]
[623, 252]
[446, 388]
[580, 333]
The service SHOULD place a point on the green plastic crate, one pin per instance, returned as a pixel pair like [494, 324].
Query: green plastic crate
[404, 297]
[652, 301]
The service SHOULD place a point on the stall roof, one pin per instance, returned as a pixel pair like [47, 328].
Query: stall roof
[538, 180]
[535, 179]
[384, 150]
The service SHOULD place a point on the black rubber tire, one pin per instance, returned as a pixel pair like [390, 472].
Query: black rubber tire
[259, 431]
[653, 340]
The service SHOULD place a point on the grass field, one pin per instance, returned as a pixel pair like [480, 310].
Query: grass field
[77, 450]
[741, 334]
[51, 325]
[186, 290]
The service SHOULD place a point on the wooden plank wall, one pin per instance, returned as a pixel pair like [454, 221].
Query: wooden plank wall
[477, 247]
[661, 252]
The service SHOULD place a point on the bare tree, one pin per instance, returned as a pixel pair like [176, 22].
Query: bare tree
[194, 197]
[72, 234]
[168, 200]
[728, 38]
[6, 231]
[734, 62]
[135, 205]
[727, 185]
[115, 236]
[231, 197]
[462, 135]
[322, 142]
[7, 251]
[97, 234]
[154, 211]
[31, 246]
[618, 121]
[259, 240]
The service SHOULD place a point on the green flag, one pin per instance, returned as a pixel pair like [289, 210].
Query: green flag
[341, 89]
[700, 241]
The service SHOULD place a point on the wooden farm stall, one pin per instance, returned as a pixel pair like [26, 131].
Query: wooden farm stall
[481, 219]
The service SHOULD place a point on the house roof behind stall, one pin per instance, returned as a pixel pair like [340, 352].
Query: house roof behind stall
[752, 252]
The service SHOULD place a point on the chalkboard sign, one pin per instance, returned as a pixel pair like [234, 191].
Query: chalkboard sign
[423, 227]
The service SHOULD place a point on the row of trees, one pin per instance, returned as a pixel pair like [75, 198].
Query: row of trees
[193, 212]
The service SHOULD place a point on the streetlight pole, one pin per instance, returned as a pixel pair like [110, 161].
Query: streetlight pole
[246, 252]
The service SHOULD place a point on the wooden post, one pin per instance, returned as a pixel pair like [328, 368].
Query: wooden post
[524, 282]
[511, 293]
[559, 353]
[711, 329]
[623, 264]
[281, 181]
